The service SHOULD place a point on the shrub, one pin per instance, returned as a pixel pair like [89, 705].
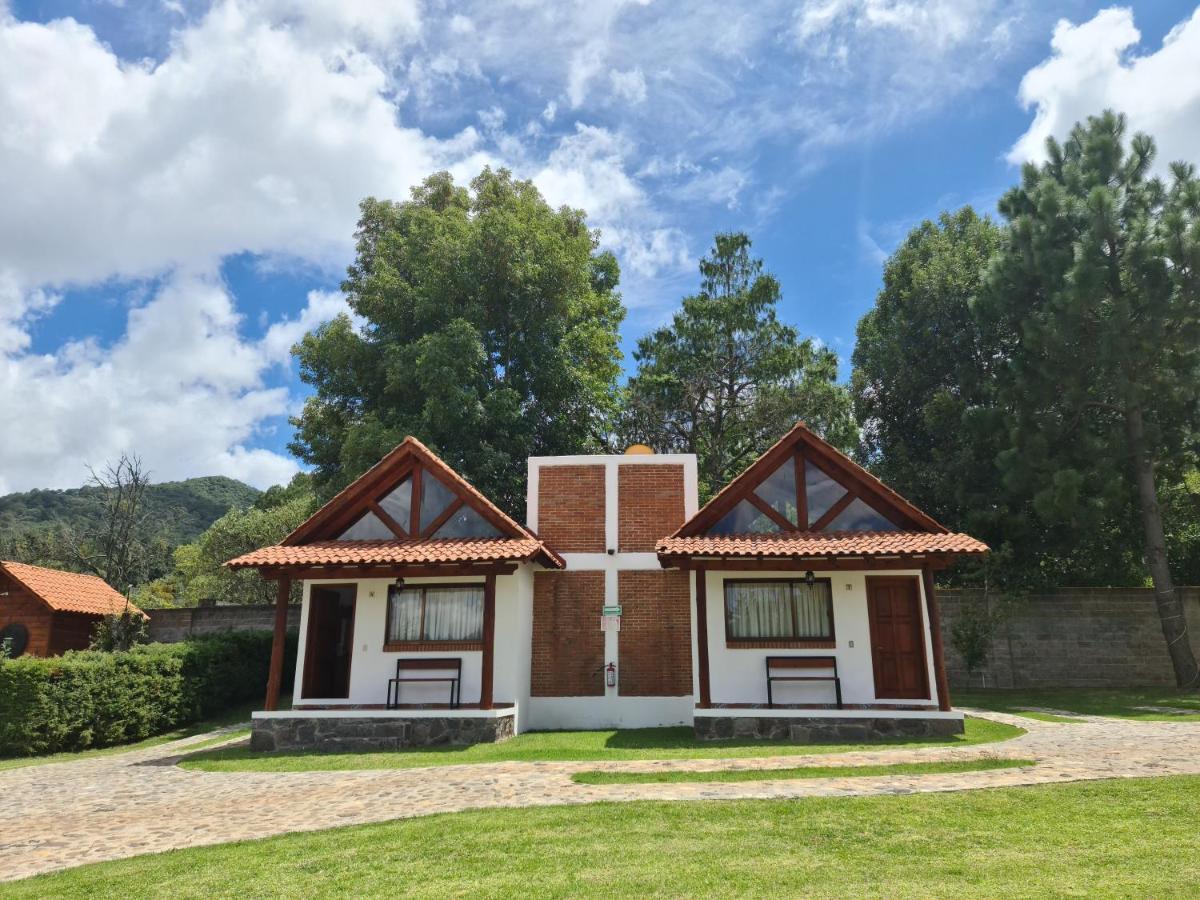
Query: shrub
[121, 631]
[90, 698]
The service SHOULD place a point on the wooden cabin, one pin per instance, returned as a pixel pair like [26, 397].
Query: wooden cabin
[46, 612]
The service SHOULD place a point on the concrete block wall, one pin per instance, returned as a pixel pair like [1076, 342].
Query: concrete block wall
[1074, 637]
[169, 626]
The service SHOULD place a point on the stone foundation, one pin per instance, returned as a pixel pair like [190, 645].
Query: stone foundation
[356, 735]
[817, 730]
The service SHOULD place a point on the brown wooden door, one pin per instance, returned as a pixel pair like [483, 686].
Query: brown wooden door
[330, 642]
[897, 639]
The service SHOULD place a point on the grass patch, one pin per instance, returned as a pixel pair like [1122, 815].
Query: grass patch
[231, 717]
[936, 767]
[566, 746]
[1124, 837]
[1120, 703]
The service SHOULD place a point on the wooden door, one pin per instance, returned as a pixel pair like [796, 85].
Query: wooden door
[897, 639]
[330, 642]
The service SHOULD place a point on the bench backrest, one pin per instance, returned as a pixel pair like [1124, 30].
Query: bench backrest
[428, 663]
[802, 662]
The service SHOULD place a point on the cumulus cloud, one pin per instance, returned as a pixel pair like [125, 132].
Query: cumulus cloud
[247, 137]
[257, 126]
[590, 169]
[182, 387]
[1096, 66]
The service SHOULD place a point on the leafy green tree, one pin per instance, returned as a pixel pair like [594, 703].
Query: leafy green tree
[490, 334]
[924, 386]
[921, 361]
[1099, 282]
[726, 378]
[200, 572]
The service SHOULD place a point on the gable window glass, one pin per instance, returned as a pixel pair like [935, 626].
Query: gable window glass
[779, 610]
[432, 612]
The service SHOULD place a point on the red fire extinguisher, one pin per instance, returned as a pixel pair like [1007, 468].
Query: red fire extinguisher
[610, 674]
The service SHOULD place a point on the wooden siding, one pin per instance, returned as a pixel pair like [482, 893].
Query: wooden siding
[23, 606]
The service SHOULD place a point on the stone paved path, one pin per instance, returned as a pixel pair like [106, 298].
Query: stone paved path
[58, 815]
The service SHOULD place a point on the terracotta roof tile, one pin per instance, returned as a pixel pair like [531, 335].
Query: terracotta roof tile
[69, 591]
[818, 544]
[328, 553]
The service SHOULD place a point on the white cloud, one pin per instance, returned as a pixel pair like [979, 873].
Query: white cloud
[18, 308]
[322, 306]
[628, 86]
[1094, 66]
[586, 64]
[247, 137]
[259, 125]
[590, 169]
[182, 387]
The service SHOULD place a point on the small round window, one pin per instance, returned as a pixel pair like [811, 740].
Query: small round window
[16, 637]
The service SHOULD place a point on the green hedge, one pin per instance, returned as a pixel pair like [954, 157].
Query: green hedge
[92, 699]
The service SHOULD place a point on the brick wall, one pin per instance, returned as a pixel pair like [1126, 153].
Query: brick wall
[1081, 637]
[568, 645]
[172, 625]
[650, 505]
[656, 634]
[571, 508]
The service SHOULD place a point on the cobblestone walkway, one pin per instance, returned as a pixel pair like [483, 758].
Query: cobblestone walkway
[65, 814]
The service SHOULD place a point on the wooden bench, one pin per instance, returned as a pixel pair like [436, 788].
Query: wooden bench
[425, 664]
[803, 663]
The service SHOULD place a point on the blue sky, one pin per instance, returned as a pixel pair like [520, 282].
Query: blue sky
[181, 178]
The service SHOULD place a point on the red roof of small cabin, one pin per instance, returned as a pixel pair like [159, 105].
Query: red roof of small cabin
[69, 591]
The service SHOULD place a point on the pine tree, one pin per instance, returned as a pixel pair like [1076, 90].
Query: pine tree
[726, 378]
[1099, 283]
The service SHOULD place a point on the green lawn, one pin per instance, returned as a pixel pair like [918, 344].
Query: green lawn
[1087, 701]
[1126, 837]
[566, 746]
[938, 767]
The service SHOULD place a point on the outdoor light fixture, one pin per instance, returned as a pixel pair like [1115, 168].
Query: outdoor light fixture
[399, 582]
[809, 577]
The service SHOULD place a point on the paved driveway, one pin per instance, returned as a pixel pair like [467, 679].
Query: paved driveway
[65, 814]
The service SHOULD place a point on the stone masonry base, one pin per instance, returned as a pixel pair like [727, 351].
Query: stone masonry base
[817, 730]
[356, 735]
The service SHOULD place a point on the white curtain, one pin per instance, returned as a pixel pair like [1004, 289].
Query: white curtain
[454, 614]
[759, 610]
[767, 610]
[404, 615]
[451, 613]
[812, 609]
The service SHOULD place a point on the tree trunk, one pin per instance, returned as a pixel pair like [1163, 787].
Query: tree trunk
[1170, 607]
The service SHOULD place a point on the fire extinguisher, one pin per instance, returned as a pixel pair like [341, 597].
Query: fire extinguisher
[610, 674]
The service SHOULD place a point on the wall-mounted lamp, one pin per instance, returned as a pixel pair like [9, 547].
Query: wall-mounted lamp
[809, 578]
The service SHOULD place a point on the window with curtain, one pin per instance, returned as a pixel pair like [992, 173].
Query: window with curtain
[433, 612]
[779, 610]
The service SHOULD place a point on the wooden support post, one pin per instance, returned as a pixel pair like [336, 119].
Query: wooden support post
[489, 642]
[935, 633]
[275, 676]
[702, 636]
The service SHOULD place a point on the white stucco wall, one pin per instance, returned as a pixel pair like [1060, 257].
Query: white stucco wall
[371, 666]
[738, 675]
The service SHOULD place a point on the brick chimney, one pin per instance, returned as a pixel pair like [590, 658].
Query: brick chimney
[610, 503]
